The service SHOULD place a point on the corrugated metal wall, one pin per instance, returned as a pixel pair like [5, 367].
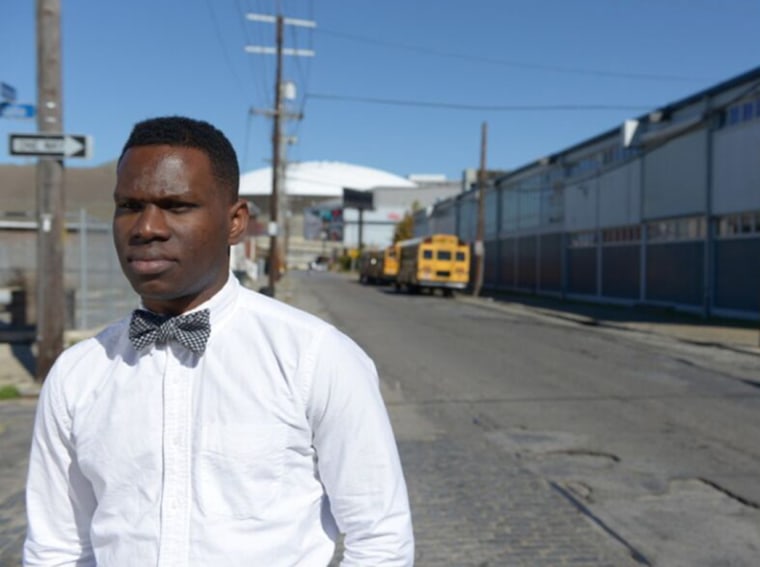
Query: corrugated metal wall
[675, 177]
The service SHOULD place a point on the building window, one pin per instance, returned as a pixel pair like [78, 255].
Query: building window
[738, 225]
[747, 111]
[622, 235]
[733, 115]
[583, 239]
[742, 112]
[585, 165]
[617, 154]
[727, 226]
[689, 228]
[748, 223]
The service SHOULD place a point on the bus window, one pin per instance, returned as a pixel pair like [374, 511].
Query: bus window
[444, 255]
[427, 254]
[460, 256]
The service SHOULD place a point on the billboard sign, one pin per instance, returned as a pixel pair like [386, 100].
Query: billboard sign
[355, 199]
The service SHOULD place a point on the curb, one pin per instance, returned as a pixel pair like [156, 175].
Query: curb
[588, 321]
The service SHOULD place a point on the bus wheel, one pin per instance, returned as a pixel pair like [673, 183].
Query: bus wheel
[448, 292]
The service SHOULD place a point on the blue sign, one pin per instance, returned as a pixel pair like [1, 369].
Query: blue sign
[7, 92]
[20, 111]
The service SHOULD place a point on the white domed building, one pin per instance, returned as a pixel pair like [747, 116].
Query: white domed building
[312, 181]
[313, 217]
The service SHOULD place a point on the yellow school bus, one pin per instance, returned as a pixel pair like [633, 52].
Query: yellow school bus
[390, 263]
[435, 261]
[371, 266]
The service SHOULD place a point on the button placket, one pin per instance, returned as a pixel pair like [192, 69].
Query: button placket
[176, 460]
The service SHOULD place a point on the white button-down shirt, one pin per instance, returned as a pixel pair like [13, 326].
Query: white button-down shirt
[258, 452]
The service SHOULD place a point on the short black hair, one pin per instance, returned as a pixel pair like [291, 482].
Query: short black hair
[186, 132]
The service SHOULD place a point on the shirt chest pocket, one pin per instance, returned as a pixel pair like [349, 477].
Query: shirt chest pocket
[239, 469]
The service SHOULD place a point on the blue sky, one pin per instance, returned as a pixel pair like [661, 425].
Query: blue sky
[536, 71]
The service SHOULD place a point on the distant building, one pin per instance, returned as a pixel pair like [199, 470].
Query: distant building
[310, 183]
[314, 218]
[391, 203]
[662, 210]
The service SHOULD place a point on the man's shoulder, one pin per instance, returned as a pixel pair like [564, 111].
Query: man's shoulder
[95, 344]
[81, 366]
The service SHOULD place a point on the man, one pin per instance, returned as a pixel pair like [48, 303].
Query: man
[215, 426]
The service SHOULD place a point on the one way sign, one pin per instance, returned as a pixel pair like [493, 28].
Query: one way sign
[50, 145]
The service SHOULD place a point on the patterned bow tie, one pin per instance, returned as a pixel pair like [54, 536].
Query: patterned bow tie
[191, 330]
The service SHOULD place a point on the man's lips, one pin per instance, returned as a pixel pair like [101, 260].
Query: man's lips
[149, 265]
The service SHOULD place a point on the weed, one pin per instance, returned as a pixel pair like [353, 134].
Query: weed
[9, 392]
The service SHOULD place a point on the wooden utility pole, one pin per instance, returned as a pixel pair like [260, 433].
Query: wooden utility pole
[278, 115]
[480, 229]
[51, 296]
[274, 228]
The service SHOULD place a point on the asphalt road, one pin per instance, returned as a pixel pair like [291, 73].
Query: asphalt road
[531, 440]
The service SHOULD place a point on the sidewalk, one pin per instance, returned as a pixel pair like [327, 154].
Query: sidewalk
[743, 336]
[17, 360]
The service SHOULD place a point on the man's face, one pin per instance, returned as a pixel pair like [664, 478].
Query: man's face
[173, 225]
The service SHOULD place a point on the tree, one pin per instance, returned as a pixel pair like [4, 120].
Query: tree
[404, 229]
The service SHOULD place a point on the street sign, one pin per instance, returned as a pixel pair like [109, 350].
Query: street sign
[50, 145]
[21, 111]
[7, 92]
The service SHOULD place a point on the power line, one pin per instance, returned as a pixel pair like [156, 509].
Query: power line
[304, 70]
[224, 50]
[480, 107]
[248, 118]
[258, 78]
[512, 63]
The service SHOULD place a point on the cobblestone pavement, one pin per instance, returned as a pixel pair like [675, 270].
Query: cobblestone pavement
[16, 418]
[474, 506]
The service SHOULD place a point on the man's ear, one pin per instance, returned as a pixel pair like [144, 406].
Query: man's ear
[238, 221]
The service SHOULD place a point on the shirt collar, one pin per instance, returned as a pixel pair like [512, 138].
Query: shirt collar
[221, 304]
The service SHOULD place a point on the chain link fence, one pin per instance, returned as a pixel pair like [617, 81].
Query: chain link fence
[96, 291]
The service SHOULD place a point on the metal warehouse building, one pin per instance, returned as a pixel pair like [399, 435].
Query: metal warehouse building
[664, 210]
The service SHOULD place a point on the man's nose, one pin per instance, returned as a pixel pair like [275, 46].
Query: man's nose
[150, 224]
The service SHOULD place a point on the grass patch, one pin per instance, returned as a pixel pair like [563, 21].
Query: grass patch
[9, 393]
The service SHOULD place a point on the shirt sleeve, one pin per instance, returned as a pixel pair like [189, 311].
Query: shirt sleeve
[357, 456]
[59, 499]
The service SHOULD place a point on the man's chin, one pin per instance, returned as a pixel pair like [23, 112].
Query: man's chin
[153, 288]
